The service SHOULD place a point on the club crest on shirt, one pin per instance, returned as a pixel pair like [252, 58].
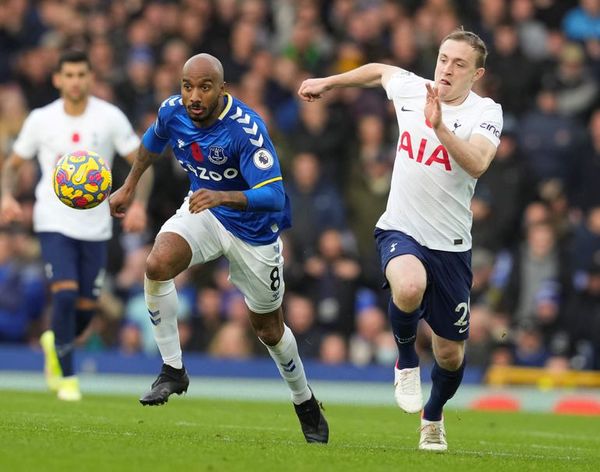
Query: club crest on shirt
[263, 159]
[216, 155]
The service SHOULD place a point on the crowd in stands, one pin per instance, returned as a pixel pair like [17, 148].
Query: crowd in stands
[536, 212]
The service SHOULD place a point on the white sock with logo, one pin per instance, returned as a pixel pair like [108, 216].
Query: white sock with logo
[286, 357]
[162, 303]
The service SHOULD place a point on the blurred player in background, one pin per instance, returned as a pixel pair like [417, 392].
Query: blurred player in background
[236, 207]
[74, 242]
[448, 136]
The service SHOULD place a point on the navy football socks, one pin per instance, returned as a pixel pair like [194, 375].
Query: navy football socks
[63, 325]
[445, 384]
[404, 328]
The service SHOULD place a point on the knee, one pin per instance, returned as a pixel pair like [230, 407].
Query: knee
[270, 335]
[158, 268]
[408, 294]
[449, 359]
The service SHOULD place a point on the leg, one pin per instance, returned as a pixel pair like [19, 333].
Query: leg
[60, 255]
[407, 278]
[170, 256]
[257, 272]
[91, 270]
[446, 375]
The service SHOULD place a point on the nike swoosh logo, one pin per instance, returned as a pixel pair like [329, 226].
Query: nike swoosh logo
[405, 109]
[462, 330]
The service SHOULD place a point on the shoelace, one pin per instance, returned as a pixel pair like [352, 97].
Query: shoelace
[408, 383]
[433, 434]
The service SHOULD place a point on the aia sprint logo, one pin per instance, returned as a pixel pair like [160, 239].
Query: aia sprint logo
[419, 152]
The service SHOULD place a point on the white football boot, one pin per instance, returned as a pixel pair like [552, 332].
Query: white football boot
[407, 389]
[433, 436]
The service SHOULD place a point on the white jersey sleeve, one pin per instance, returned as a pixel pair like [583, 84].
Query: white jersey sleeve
[404, 84]
[28, 141]
[125, 139]
[490, 122]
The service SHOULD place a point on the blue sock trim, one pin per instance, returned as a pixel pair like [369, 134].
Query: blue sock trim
[404, 328]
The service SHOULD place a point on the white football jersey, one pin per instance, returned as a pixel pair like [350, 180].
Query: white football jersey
[430, 195]
[49, 133]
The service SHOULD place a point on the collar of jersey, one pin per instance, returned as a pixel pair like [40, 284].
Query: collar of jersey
[229, 99]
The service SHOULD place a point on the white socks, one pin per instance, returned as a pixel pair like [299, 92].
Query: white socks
[161, 300]
[286, 357]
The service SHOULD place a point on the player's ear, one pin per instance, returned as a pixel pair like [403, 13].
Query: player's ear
[478, 74]
[56, 80]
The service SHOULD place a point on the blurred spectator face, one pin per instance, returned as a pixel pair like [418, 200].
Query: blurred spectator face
[131, 339]
[74, 80]
[299, 313]
[540, 238]
[201, 89]
[370, 130]
[507, 147]
[140, 69]
[535, 213]
[333, 349]
[191, 26]
[330, 244]
[209, 303]
[455, 71]
[243, 40]
[231, 342]
[306, 171]
[521, 10]
[572, 61]
[506, 40]
[546, 101]
[314, 117]
[370, 322]
[592, 7]
[404, 47]
[479, 324]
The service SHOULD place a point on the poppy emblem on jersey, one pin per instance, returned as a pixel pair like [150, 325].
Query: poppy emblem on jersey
[263, 159]
[197, 152]
[216, 155]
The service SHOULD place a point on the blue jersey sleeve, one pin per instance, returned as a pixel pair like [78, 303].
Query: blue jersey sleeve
[156, 136]
[259, 164]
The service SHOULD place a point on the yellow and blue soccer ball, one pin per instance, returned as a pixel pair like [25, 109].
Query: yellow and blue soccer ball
[82, 180]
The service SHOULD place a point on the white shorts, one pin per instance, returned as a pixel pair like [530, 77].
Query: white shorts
[257, 271]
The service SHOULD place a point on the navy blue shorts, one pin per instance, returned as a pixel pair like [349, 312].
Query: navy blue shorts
[72, 259]
[449, 278]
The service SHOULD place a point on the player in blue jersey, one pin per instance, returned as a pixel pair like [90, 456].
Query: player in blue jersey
[236, 207]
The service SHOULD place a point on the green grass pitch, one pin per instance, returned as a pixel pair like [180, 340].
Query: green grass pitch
[115, 433]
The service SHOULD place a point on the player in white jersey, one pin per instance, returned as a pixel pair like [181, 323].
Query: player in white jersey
[74, 242]
[448, 136]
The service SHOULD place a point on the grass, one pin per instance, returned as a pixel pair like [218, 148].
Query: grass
[115, 433]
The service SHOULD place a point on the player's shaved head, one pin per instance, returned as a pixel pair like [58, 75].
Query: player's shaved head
[204, 64]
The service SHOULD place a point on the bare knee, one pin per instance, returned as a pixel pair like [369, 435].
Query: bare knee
[170, 256]
[268, 326]
[408, 294]
[449, 357]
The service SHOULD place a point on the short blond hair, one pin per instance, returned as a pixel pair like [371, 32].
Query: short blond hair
[472, 40]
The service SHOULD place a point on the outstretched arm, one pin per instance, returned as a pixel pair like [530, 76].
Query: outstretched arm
[10, 209]
[475, 155]
[123, 197]
[369, 75]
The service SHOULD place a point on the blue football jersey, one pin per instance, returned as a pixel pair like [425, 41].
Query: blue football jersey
[235, 153]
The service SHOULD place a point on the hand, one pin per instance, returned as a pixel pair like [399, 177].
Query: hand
[135, 220]
[203, 199]
[433, 107]
[10, 209]
[312, 89]
[120, 201]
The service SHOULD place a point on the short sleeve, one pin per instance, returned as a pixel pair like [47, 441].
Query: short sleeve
[404, 84]
[125, 139]
[27, 145]
[490, 123]
[259, 163]
[156, 137]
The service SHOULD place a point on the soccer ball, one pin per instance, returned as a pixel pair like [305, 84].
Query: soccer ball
[82, 180]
